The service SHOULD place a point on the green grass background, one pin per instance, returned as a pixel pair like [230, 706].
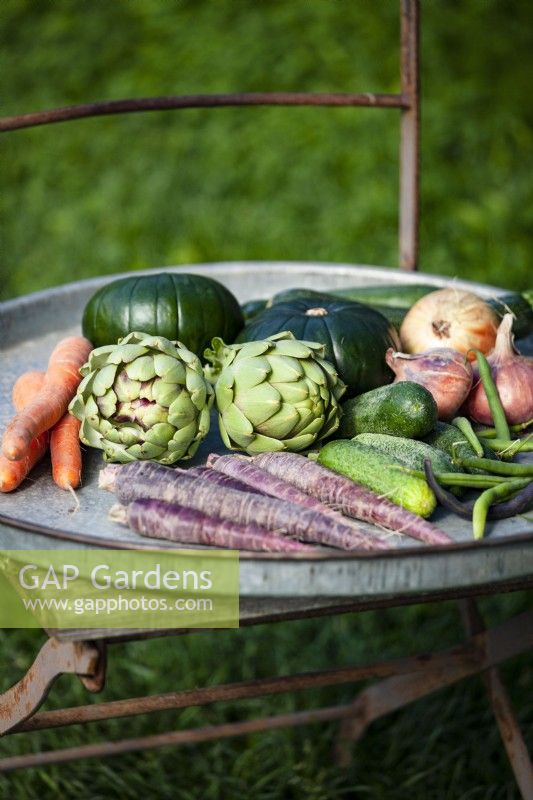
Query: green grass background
[112, 194]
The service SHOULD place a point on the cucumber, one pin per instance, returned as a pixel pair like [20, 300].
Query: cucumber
[397, 295]
[444, 436]
[380, 473]
[395, 315]
[288, 295]
[410, 452]
[399, 409]
[519, 306]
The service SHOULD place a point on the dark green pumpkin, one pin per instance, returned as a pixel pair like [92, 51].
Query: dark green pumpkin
[356, 337]
[190, 308]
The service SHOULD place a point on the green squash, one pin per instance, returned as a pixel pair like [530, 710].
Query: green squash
[356, 336]
[189, 308]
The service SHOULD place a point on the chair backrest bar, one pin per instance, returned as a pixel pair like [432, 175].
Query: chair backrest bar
[408, 101]
[409, 135]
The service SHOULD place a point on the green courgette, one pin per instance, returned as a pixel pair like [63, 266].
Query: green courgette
[519, 306]
[409, 451]
[399, 409]
[395, 295]
[395, 315]
[379, 472]
[450, 440]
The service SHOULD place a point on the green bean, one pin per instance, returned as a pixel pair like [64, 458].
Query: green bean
[490, 433]
[493, 398]
[463, 424]
[497, 467]
[465, 479]
[490, 496]
[511, 447]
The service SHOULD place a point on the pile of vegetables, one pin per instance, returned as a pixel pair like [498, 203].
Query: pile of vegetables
[353, 406]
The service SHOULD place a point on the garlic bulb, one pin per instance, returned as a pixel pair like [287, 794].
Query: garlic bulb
[450, 318]
[442, 371]
[513, 376]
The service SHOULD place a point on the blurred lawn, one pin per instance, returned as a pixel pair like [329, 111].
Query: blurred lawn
[107, 195]
[444, 747]
[112, 194]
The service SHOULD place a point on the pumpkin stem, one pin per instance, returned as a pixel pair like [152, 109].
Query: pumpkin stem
[316, 312]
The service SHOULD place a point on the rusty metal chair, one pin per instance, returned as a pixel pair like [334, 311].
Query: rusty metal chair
[403, 680]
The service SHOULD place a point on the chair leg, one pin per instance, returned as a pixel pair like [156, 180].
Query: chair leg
[390, 695]
[85, 659]
[493, 646]
[508, 726]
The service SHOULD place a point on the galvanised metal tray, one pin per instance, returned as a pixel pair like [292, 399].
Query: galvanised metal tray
[38, 515]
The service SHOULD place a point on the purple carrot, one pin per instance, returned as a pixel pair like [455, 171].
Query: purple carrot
[220, 479]
[243, 470]
[349, 497]
[185, 525]
[146, 479]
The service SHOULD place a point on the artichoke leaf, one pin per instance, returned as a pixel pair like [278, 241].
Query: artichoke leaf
[169, 369]
[281, 424]
[259, 403]
[123, 353]
[141, 369]
[181, 410]
[103, 380]
[285, 369]
[238, 426]
[126, 389]
[161, 434]
[265, 444]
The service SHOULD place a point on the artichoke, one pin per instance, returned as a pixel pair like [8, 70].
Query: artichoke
[275, 394]
[143, 398]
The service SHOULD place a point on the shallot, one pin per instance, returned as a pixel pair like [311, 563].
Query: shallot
[442, 371]
[513, 376]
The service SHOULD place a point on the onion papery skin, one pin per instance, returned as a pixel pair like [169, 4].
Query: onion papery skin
[450, 318]
[444, 372]
[513, 376]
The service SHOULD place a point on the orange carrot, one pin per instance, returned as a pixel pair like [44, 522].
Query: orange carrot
[65, 450]
[60, 384]
[26, 388]
[12, 473]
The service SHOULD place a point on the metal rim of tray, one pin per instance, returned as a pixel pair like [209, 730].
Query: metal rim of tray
[343, 555]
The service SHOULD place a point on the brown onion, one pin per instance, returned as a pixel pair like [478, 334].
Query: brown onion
[450, 318]
[444, 372]
[513, 375]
